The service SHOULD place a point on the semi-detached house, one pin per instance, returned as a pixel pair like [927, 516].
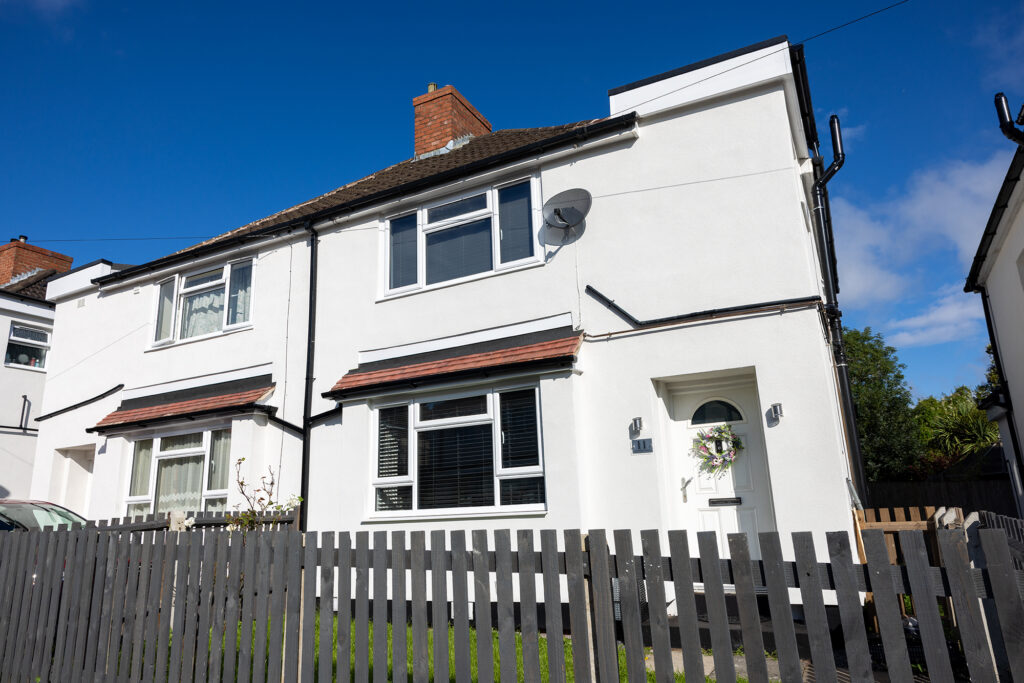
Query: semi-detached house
[474, 365]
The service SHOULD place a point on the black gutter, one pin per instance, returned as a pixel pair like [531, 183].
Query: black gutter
[80, 404]
[192, 416]
[29, 299]
[709, 313]
[827, 257]
[307, 399]
[1013, 176]
[295, 429]
[336, 410]
[1004, 388]
[803, 94]
[578, 134]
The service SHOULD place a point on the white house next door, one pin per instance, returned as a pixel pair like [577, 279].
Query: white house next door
[738, 500]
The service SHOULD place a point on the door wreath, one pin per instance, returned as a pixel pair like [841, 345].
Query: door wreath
[717, 449]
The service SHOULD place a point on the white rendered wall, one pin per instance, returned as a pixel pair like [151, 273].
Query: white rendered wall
[17, 447]
[102, 339]
[1002, 279]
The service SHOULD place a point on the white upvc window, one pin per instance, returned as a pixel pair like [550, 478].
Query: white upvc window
[463, 237]
[180, 471]
[27, 346]
[204, 302]
[476, 451]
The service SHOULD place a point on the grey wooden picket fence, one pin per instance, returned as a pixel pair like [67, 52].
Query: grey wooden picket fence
[1014, 528]
[210, 604]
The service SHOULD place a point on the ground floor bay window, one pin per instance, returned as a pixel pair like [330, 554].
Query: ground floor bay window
[477, 450]
[180, 472]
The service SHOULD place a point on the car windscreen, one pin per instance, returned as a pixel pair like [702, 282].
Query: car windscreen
[33, 516]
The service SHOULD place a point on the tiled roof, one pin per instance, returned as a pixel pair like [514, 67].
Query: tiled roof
[476, 149]
[241, 399]
[553, 350]
[33, 286]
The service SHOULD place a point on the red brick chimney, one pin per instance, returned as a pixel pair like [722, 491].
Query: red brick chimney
[443, 115]
[18, 257]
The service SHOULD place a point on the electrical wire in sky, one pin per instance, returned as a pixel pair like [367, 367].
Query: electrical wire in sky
[633, 106]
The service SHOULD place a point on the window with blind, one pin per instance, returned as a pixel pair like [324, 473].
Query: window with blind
[456, 239]
[180, 472]
[452, 453]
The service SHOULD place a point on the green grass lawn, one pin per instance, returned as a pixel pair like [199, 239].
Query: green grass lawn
[548, 648]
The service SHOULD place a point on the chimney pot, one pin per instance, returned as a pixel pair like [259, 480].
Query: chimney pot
[23, 238]
[431, 87]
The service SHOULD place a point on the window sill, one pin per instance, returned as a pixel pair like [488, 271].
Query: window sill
[486, 513]
[192, 340]
[452, 283]
[19, 366]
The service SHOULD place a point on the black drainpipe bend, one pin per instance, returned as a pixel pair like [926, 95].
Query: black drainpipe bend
[826, 253]
[307, 400]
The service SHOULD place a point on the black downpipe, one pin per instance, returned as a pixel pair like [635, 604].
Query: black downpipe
[1003, 388]
[307, 401]
[827, 256]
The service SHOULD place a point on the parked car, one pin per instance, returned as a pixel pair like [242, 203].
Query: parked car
[34, 514]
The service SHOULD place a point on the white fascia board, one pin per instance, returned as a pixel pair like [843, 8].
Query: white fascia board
[77, 282]
[489, 177]
[21, 307]
[714, 80]
[198, 381]
[539, 325]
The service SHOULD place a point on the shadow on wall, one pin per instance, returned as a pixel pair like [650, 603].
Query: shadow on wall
[4, 492]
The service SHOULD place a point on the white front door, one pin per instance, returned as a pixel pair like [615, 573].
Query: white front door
[738, 500]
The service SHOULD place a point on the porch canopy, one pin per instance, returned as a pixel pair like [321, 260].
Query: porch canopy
[544, 350]
[204, 401]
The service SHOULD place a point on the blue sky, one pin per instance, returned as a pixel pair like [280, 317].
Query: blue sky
[189, 119]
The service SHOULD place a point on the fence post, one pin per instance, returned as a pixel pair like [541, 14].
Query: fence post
[589, 588]
[989, 616]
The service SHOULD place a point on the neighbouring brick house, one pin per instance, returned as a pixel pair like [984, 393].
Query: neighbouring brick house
[475, 363]
[26, 322]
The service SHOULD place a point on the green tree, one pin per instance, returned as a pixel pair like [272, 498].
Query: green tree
[991, 376]
[953, 428]
[890, 439]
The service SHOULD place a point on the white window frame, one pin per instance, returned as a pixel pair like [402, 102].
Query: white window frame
[180, 292]
[424, 228]
[416, 425]
[158, 455]
[29, 342]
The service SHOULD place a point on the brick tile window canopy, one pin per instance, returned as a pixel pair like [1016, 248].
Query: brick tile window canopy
[444, 115]
[535, 351]
[218, 399]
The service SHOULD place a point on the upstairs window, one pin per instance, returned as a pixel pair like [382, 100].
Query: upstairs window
[204, 302]
[462, 238]
[449, 454]
[27, 346]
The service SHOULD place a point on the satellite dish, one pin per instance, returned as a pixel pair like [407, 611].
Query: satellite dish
[567, 209]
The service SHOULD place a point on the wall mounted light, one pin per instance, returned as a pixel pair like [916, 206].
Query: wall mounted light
[637, 425]
[776, 411]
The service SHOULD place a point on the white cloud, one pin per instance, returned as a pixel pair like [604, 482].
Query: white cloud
[879, 245]
[47, 7]
[956, 315]
[1001, 38]
[862, 246]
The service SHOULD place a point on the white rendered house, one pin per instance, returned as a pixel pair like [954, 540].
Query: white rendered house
[997, 273]
[26, 322]
[473, 364]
